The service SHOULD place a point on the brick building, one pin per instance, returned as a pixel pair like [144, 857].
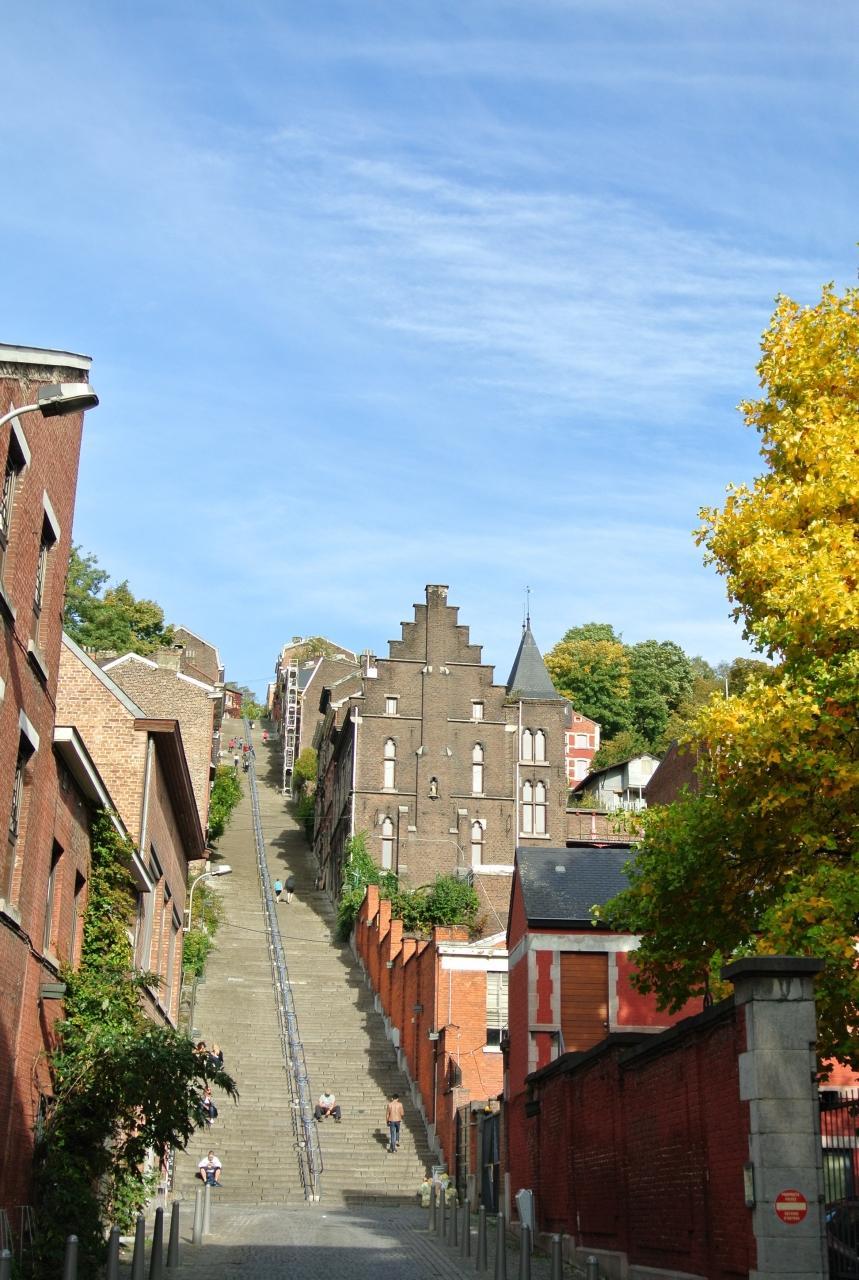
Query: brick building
[142, 759]
[162, 689]
[444, 1001]
[293, 699]
[582, 739]
[444, 770]
[45, 789]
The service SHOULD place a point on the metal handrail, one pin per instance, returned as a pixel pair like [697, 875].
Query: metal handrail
[301, 1106]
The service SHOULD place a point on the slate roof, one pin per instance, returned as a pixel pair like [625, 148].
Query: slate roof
[529, 677]
[590, 877]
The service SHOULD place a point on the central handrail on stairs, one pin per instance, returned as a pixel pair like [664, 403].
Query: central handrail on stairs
[301, 1105]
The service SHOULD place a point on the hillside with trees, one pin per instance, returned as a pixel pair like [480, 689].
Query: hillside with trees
[107, 619]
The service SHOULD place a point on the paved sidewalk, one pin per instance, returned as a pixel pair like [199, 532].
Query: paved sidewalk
[312, 1243]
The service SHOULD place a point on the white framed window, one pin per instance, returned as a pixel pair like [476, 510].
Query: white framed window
[171, 964]
[539, 809]
[540, 746]
[77, 916]
[477, 770]
[527, 808]
[527, 748]
[17, 459]
[387, 843]
[478, 833]
[580, 769]
[496, 1008]
[581, 740]
[389, 766]
[534, 808]
[477, 710]
[391, 704]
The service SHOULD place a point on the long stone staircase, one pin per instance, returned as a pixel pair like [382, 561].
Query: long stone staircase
[345, 1046]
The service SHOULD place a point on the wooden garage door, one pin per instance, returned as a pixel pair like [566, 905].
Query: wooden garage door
[584, 998]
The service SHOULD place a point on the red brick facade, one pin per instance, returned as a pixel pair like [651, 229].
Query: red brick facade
[433, 994]
[639, 1150]
[44, 814]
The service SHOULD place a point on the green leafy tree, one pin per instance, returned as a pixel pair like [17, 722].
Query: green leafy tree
[109, 619]
[740, 673]
[765, 859]
[305, 767]
[122, 1085]
[623, 746]
[591, 667]
[225, 795]
[660, 678]
[313, 647]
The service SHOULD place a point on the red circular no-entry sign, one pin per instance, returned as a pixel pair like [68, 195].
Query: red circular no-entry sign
[791, 1206]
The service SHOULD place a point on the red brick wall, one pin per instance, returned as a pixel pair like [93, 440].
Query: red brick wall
[418, 995]
[25, 1023]
[642, 1150]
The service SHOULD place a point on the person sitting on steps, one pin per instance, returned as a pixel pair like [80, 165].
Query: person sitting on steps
[209, 1170]
[327, 1106]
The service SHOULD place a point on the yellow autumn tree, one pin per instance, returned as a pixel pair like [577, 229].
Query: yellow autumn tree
[764, 858]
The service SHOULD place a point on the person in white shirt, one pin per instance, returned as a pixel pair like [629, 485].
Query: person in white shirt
[327, 1106]
[209, 1170]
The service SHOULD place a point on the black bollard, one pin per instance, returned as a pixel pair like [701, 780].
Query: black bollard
[433, 1209]
[70, 1259]
[441, 1218]
[500, 1248]
[592, 1268]
[465, 1232]
[173, 1244]
[557, 1259]
[5, 1264]
[452, 1235]
[480, 1260]
[112, 1269]
[139, 1247]
[156, 1255]
[197, 1228]
[525, 1254]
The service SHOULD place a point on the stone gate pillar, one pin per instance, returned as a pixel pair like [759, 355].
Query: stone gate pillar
[778, 1080]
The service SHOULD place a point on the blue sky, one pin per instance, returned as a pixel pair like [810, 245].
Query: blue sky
[388, 292]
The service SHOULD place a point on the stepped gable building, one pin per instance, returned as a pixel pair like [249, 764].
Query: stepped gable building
[444, 770]
[46, 785]
[159, 686]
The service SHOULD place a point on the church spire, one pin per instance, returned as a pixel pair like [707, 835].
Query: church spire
[529, 677]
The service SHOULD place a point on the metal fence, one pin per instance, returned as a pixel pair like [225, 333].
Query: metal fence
[301, 1104]
[839, 1133]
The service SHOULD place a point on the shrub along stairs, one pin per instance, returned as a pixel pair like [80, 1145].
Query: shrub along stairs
[345, 1046]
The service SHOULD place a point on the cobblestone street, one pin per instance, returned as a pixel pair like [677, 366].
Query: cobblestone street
[312, 1243]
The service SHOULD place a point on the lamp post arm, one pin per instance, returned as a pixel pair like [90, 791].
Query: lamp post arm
[13, 413]
[205, 876]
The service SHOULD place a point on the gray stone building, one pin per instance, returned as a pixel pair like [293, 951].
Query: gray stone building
[442, 769]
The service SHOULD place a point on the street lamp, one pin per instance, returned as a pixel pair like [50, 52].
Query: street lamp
[225, 870]
[56, 398]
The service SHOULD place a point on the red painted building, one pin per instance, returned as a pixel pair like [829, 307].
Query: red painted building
[582, 742]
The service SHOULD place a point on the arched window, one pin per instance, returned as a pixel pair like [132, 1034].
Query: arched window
[527, 808]
[527, 745]
[389, 766]
[534, 809]
[540, 746]
[387, 843]
[540, 809]
[477, 770]
[476, 844]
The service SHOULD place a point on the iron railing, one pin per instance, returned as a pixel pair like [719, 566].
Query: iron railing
[839, 1133]
[301, 1106]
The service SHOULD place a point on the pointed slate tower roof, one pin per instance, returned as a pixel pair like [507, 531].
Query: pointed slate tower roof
[529, 677]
